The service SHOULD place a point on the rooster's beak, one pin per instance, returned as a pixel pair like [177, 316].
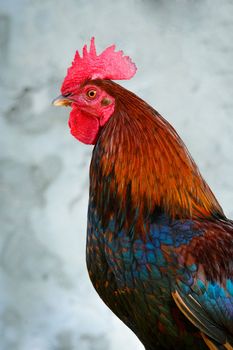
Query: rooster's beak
[62, 101]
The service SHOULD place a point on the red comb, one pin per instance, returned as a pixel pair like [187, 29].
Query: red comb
[108, 65]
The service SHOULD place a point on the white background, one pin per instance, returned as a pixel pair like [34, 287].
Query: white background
[184, 53]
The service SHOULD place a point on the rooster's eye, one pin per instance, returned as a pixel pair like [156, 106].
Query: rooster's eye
[91, 93]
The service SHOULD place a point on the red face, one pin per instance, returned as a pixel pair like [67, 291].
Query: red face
[91, 109]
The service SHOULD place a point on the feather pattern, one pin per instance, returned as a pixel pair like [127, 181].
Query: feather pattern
[159, 247]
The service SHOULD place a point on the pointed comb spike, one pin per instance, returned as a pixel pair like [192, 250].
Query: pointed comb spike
[85, 52]
[76, 57]
[110, 64]
[109, 49]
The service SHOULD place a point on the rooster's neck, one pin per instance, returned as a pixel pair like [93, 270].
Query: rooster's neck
[141, 162]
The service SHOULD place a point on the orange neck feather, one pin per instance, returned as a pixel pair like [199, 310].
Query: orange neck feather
[142, 149]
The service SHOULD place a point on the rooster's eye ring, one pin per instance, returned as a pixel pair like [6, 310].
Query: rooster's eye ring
[91, 93]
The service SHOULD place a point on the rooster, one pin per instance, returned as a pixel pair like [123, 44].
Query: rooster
[159, 247]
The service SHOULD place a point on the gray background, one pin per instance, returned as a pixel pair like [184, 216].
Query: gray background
[184, 54]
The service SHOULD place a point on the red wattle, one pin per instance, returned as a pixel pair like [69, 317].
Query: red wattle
[83, 126]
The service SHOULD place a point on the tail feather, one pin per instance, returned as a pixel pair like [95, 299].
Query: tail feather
[213, 345]
[215, 337]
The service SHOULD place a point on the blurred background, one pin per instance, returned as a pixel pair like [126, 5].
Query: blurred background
[184, 53]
